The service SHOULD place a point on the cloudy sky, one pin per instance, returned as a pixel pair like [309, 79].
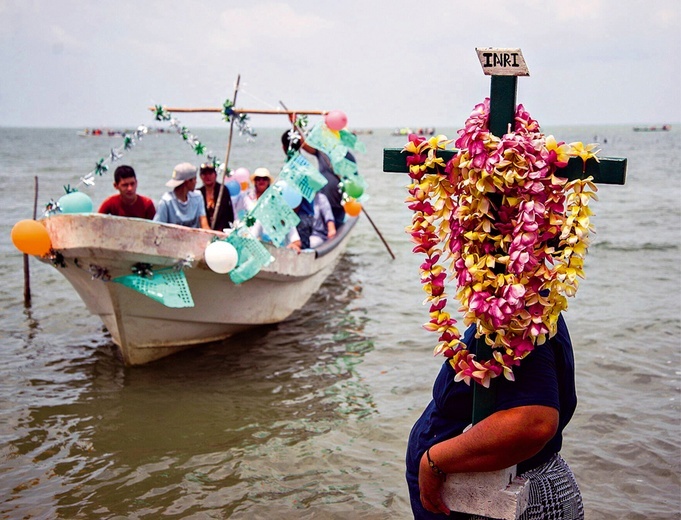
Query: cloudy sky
[385, 63]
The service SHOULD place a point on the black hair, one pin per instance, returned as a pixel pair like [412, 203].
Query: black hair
[124, 172]
[288, 144]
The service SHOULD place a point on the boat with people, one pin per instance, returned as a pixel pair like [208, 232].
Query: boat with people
[405, 130]
[104, 258]
[161, 288]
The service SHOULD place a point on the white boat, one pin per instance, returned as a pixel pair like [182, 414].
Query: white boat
[91, 250]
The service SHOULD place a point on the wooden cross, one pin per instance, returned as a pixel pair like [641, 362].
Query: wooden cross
[505, 65]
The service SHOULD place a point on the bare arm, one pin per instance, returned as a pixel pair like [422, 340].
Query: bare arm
[501, 440]
[295, 245]
[203, 220]
[303, 144]
[330, 229]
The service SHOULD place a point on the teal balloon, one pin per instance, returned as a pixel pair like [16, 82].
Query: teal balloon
[75, 202]
[353, 189]
[234, 188]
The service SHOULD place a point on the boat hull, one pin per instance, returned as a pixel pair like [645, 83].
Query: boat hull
[93, 249]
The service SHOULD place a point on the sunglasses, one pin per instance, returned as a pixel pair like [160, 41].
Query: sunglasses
[262, 178]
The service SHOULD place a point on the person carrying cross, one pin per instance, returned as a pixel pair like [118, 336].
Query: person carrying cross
[532, 373]
[515, 229]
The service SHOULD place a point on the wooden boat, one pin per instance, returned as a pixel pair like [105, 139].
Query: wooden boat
[91, 250]
[150, 282]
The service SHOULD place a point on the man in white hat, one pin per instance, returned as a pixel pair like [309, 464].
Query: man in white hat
[183, 205]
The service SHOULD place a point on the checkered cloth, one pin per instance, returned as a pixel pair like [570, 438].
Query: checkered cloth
[554, 494]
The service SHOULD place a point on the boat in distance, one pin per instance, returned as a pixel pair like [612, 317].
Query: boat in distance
[663, 128]
[93, 250]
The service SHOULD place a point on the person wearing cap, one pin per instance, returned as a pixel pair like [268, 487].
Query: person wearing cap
[183, 205]
[211, 192]
[127, 203]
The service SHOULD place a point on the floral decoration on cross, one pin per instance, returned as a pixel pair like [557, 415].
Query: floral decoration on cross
[513, 233]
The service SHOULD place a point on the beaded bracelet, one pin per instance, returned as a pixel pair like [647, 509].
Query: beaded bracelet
[434, 467]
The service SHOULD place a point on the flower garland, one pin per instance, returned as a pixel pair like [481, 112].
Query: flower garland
[514, 234]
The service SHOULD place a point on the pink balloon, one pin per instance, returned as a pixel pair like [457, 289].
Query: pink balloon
[336, 120]
[241, 175]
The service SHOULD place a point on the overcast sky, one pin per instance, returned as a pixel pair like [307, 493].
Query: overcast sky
[385, 63]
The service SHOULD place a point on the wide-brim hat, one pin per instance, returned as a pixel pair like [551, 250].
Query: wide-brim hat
[181, 173]
[262, 172]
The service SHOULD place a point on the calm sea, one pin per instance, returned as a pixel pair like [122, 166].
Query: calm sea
[310, 418]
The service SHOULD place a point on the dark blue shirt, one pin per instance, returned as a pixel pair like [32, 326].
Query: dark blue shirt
[332, 189]
[545, 377]
[306, 207]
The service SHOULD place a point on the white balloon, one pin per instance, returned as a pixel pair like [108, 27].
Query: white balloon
[221, 256]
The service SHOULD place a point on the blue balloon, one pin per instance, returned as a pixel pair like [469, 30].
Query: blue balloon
[234, 188]
[291, 196]
[75, 202]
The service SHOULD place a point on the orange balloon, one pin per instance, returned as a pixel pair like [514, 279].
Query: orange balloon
[352, 207]
[31, 237]
[244, 185]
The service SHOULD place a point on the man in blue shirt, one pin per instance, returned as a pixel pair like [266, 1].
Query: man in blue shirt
[183, 205]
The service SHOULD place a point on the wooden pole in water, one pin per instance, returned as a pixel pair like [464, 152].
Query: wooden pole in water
[27, 283]
[27, 273]
[378, 232]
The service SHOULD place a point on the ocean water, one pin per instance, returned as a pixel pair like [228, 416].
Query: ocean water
[310, 418]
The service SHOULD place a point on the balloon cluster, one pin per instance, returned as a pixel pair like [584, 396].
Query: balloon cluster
[238, 181]
[351, 192]
[336, 120]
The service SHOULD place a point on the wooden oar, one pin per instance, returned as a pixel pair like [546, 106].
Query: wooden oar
[378, 232]
[229, 149]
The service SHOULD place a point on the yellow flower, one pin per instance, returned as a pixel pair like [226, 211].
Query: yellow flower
[585, 152]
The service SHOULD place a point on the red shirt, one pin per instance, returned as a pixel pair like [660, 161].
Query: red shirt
[143, 207]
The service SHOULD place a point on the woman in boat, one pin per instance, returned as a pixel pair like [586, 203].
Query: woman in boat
[261, 179]
[182, 205]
